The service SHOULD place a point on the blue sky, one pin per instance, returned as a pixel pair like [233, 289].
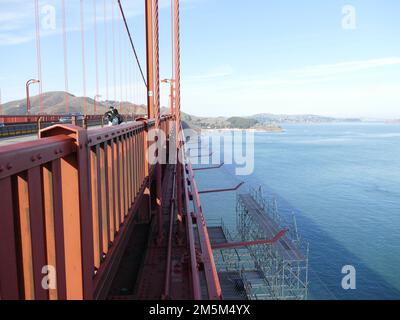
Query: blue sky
[238, 57]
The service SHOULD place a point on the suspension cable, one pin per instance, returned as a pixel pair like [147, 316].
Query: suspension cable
[131, 41]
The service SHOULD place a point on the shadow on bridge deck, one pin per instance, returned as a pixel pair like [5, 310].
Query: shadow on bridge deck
[142, 270]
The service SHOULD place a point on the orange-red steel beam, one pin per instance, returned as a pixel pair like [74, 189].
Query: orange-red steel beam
[191, 240]
[211, 275]
[222, 190]
[149, 58]
[176, 94]
[167, 283]
[58, 213]
[157, 117]
[9, 289]
[153, 92]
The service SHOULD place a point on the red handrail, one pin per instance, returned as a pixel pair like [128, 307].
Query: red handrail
[69, 200]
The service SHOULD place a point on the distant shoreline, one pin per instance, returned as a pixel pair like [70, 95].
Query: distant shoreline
[271, 130]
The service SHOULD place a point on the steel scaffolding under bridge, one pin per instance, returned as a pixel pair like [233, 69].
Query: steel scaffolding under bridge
[252, 268]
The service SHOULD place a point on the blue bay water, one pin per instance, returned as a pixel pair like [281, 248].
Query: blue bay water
[343, 183]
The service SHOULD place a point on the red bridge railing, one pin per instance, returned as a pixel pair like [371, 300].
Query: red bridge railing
[68, 200]
[17, 119]
[24, 119]
[25, 125]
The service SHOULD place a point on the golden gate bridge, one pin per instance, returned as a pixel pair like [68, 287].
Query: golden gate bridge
[88, 207]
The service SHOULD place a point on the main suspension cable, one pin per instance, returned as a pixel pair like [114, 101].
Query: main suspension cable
[131, 41]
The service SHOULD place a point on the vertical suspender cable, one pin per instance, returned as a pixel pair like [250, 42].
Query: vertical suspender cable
[132, 80]
[106, 48]
[137, 93]
[126, 75]
[96, 56]
[120, 65]
[39, 56]
[123, 68]
[64, 30]
[96, 61]
[82, 12]
[136, 98]
[114, 52]
[129, 85]
[172, 40]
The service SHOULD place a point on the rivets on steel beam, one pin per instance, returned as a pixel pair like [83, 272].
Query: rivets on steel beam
[1, 169]
[33, 158]
[39, 156]
[9, 166]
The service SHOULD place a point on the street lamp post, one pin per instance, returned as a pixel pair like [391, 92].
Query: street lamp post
[28, 101]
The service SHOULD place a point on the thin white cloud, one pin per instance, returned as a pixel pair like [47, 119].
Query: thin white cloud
[344, 67]
[305, 76]
[319, 89]
[15, 22]
[17, 17]
[314, 73]
[6, 39]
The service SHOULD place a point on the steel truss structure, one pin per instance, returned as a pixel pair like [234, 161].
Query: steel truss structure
[264, 272]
